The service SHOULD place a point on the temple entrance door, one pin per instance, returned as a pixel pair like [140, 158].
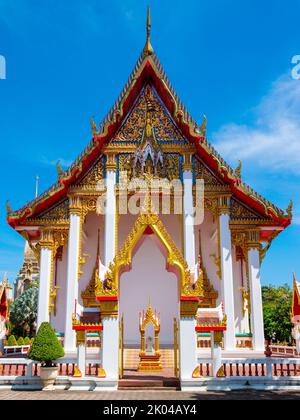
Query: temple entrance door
[149, 282]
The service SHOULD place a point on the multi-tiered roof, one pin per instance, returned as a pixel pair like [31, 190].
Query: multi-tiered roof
[149, 71]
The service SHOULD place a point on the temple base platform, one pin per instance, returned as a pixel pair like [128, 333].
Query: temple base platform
[150, 363]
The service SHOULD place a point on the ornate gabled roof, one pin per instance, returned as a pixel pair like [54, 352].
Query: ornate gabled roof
[148, 70]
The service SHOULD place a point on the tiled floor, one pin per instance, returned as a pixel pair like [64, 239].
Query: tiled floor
[147, 395]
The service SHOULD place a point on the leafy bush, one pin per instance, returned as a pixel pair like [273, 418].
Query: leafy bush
[277, 312]
[23, 312]
[27, 341]
[20, 341]
[46, 348]
[12, 341]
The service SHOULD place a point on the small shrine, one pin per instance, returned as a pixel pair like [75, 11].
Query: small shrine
[150, 354]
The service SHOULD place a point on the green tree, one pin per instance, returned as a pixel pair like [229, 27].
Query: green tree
[12, 341]
[20, 341]
[23, 311]
[277, 312]
[46, 347]
[27, 341]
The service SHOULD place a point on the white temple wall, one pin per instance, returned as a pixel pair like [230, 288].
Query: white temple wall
[93, 224]
[148, 279]
[238, 301]
[126, 223]
[58, 321]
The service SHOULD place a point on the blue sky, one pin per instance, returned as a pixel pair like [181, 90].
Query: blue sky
[231, 60]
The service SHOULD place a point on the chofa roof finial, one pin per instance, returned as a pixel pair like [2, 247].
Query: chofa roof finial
[148, 49]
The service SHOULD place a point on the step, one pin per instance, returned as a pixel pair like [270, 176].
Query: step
[141, 388]
[131, 358]
[157, 384]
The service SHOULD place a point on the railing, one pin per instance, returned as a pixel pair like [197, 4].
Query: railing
[91, 342]
[267, 367]
[278, 350]
[241, 342]
[16, 350]
[28, 368]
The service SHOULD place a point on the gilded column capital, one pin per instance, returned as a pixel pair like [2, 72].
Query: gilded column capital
[109, 309]
[224, 205]
[47, 240]
[187, 164]
[80, 338]
[111, 164]
[75, 205]
[253, 240]
[188, 308]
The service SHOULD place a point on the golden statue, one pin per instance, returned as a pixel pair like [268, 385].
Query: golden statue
[149, 355]
[60, 170]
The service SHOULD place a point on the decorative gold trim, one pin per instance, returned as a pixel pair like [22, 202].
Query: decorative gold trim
[263, 251]
[224, 205]
[218, 335]
[123, 258]
[187, 164]
[196, 373]
[188, 308]
[111, 164]
[80, 338]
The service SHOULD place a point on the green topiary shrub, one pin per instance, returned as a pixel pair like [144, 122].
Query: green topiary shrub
[20, 341]
[12, 341]
[27, 341]
[46, 348]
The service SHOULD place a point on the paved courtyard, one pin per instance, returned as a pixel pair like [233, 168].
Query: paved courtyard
[148, 395]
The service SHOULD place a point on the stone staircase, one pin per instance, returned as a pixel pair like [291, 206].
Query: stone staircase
[134, 380]
[131, 358]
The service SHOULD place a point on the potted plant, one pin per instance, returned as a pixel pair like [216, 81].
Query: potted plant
[46, 349]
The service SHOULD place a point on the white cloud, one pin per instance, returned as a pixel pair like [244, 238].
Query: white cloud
[63, 162]
[273, 141]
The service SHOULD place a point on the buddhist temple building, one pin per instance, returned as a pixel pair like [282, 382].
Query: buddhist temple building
[99, 269]
[28, 273]
[5, 300]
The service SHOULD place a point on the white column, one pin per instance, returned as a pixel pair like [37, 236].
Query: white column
[110, 215]
[216, 352]
[257, 323]
[81, 358]
[44, 282]
[188, 214]
[188, 347]
[245, 320]
[110, 350]
[72, 275]
[227, 274]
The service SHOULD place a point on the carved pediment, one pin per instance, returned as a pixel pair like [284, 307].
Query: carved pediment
[59, 212]
[164, 126]
[239, 211]
[201, 171]
[93, 176]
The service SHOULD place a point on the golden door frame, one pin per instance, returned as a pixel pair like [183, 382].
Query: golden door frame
[123, 260]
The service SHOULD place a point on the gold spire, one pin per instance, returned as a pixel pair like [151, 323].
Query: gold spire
[60, 170]
[238, 171]
[289, 210]
[8, 208]
[148, 49]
